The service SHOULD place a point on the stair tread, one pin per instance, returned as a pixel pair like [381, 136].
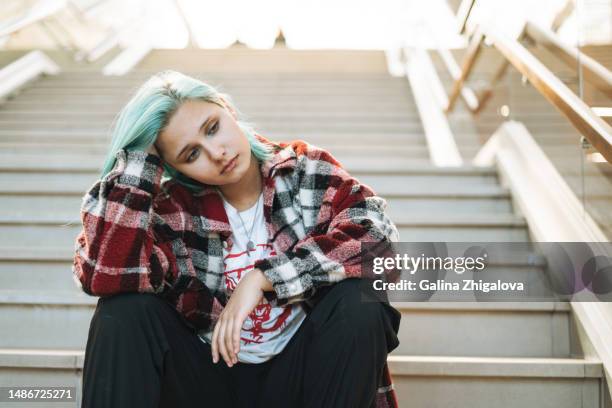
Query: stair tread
[399, 365]
[485, 306]
[72, 298]
[495, 366]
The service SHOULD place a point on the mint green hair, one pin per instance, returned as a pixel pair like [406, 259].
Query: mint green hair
[150, 109]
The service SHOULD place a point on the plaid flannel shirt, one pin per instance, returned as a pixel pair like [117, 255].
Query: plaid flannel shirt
[144, 235]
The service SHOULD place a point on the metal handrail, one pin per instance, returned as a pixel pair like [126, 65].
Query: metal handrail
[475, 102]
[588, 123]
[594, 72]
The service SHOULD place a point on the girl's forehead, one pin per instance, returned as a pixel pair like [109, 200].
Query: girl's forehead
[193, 108]
[187, 119]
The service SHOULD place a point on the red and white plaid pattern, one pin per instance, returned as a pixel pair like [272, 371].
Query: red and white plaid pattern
[142, 235]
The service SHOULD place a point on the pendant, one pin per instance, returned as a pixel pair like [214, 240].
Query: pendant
[250, 246]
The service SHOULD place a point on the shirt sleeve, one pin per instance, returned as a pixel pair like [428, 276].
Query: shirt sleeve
[116, 251]
[126, 244]
[350, 215]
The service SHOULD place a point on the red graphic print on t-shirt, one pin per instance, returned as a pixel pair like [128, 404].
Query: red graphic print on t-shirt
[262, 314]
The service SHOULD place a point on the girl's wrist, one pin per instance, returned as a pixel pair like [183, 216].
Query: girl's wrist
[265, 284]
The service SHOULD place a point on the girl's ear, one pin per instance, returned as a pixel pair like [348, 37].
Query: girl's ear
[228, 106]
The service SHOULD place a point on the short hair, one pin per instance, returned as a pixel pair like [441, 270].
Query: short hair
[148, 112]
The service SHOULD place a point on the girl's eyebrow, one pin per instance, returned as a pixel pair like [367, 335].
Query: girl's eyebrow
[178, 156]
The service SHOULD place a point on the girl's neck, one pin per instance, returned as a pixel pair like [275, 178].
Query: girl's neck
[244, 194]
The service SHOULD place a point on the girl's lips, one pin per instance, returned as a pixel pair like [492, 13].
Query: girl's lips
[230, 165]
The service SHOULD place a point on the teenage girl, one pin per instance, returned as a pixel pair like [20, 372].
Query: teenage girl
[229, 267]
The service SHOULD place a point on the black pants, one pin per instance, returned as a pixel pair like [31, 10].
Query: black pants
[141, 353]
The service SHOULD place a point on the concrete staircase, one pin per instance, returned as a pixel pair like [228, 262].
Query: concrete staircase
[52, 139]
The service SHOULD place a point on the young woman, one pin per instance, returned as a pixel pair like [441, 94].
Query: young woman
[235, 280]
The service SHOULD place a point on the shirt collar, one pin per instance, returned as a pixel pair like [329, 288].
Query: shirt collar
[283, 158]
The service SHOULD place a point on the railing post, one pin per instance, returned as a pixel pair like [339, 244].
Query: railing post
[468, 63]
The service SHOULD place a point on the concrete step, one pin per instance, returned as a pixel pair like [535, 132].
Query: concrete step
[420, 381]
[49, 276]
[140, 74]
[264, 80]
[262, 85]
[45, 320]
[40, 208]
[459, 232]
[460, 228]
[236, 91]
[437, 178]
[25, 186]
[442, 202]
[478, 329]
[42, 368]
[500, 382]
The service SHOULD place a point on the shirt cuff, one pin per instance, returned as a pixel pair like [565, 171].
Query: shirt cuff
[289, 285]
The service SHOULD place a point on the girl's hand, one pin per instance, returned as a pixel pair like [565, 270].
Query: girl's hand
[226, 335]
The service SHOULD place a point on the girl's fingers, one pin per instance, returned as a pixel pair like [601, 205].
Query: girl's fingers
[229, 333]
[215, 351]
[236, 336]
[221, 342]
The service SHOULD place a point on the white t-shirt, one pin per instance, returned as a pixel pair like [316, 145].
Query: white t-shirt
[268, 329]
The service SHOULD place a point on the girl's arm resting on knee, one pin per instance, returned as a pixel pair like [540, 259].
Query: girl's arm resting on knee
[334, 251]
[117, 251]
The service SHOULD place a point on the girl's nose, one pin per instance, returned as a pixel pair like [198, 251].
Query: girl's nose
[215, 151]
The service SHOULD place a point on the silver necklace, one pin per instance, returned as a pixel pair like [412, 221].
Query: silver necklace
[250, 245]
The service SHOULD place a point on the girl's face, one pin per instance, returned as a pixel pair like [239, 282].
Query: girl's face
[201, 140]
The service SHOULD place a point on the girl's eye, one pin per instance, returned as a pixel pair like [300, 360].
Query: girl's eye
[192, 156]
[195, 152]
[213, 129]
